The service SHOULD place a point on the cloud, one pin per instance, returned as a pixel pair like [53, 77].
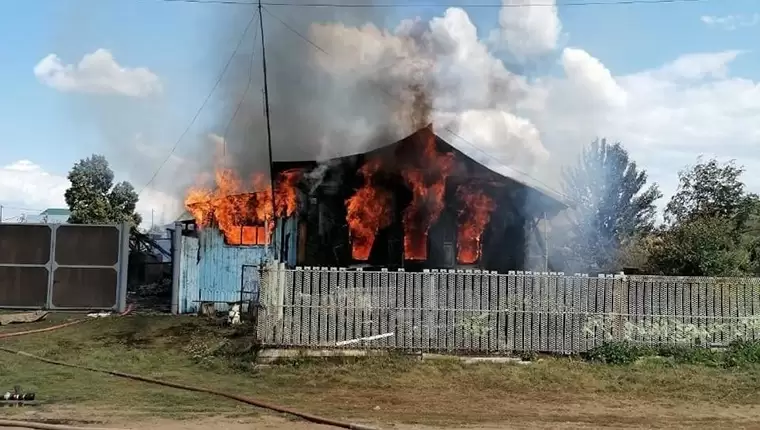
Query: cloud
[666, 116]
[731, 22]
[673, 117]
[97, 73]
[24, 184]
[698, 66]
[527, 28]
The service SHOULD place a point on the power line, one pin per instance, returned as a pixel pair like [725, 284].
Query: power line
[462, 4]
[245, 92]
[21, 209]
[472, 145]
[225, 2]
[203, 105]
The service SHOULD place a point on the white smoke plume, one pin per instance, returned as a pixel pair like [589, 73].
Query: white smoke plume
[352, 88]
[473, 94]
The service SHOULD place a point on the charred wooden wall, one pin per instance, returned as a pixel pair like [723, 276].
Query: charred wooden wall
[324, 235]
[326, 241]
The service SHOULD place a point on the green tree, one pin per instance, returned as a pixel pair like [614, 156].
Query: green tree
[93, 198]
[711, 189]
[712, 224]
[613, 206]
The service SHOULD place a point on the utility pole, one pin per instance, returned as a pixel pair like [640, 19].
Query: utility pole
[1, 213]
[269, 127]
[151, 220]
[546, 243]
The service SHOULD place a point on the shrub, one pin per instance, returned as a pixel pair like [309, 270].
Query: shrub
[742, 353]
[617, 353]
[739, 353]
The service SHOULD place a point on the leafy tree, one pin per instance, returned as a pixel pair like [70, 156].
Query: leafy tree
[613, 205]
[713, 224]
[711, 189]
[750, 232]
[93, 198]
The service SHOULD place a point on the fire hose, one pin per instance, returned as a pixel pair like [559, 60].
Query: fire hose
[248, 400]
[43, 426]
[40, 330]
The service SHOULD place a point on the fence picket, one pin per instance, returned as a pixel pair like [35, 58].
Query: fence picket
[486, 312]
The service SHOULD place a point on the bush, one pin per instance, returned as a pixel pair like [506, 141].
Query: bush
[618, 353]
[742, 353]
[739, 353]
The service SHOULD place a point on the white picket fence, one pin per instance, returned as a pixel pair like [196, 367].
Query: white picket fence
[486, 312]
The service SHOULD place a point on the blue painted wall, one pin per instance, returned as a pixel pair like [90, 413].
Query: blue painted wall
[211, 270]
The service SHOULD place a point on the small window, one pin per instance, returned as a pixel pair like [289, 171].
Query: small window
[246, 236]
[246, 228]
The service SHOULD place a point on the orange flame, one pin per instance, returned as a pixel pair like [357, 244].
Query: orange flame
[285, 194]
[233, 207]
[368, 211]
[427, 181]
[473, 218]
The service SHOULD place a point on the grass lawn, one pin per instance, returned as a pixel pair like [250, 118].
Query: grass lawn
[379, 390]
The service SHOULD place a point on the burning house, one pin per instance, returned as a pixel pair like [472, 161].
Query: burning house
[420, 203]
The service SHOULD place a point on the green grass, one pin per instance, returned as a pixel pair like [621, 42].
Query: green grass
[194, 351]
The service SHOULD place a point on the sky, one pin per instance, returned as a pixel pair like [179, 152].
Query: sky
[126, 78]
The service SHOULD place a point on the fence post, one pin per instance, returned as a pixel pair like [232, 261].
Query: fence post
[620, 307]
[266, 278]
[428, 328]
[53, 266]
[280, 293]
[271, 299]
[121, 304]
[176, 269]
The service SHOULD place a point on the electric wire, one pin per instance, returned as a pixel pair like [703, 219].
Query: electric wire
[245, 92]
[200, 109]
[447, 4]
[21, 209]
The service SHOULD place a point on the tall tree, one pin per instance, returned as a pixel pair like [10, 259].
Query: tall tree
[93, 198]
[613, 205]
[713, 224]
[710, 189]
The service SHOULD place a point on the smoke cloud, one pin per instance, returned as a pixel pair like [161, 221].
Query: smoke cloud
[355, 86]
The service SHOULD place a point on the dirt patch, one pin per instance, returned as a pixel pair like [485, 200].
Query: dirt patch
[263, 423]
[524, 415]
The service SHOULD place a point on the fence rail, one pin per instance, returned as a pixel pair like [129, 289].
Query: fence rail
[473, 311]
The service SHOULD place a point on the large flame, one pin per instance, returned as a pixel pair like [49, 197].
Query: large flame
[368, 211]
[286, 194]
[234, 208]
[426, 177]
[473, 218]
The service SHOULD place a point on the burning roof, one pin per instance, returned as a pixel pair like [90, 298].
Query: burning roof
[553, 198]
[245, 211]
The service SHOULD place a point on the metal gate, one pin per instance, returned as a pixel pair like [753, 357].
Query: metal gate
[250, 284]
[63, 266]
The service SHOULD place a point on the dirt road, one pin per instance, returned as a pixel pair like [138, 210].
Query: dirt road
[518, 416]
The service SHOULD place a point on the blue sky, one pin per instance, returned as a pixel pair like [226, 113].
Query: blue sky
[185, 44]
